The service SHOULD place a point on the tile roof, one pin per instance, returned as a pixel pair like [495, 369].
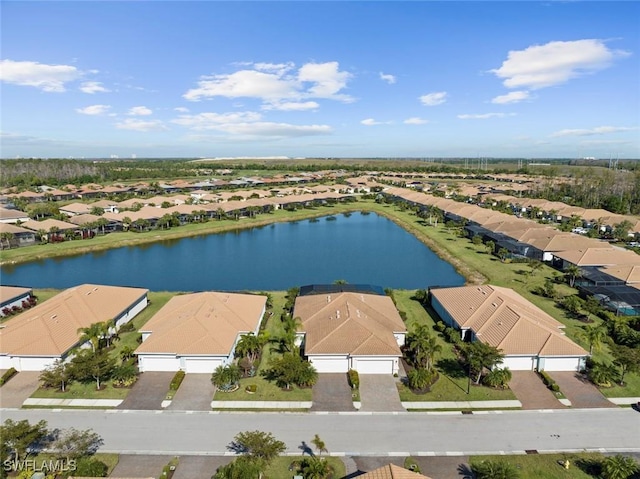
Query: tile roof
[349, 323]
[627, 273]
[8, 293]
[51, 327]
[391, 471]
[206, 323]
[600, 256]
[502, 318]
[47, 225]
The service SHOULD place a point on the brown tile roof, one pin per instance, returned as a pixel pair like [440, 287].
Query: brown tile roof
[76, 208]
[627, 273]
[11, 228]
[206, 323]
[349, 323]
[7, 214]
[502, 318]
[8, 293]
[560, 241]
[600, 256]
[83, 219]
[47, 225]
[51, 327]
[391, 471]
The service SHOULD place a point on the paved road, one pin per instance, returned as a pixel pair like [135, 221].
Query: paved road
[357, 434]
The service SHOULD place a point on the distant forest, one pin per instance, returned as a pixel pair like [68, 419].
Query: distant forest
[590, 186]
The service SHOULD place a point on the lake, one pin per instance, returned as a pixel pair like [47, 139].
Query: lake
[357, 247]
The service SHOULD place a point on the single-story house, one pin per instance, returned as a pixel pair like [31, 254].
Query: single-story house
[529, 338]
[36, 338]
[198, 332]
[13, 216]
[18, 236]
[13, 296]
[74, 209]
[604, 255]
[391, 471]
[350, 330]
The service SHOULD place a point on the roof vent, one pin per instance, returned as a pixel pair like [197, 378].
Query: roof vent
[54, 316]
[494, 305]
[328, 298]
[338, 314]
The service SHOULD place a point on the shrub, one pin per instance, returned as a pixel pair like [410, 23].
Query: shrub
[251, 388]
[440, 326]
[549, 382]
[354, 379]
[8, 375]
[177, 380]
[90, 468]
[126, 327]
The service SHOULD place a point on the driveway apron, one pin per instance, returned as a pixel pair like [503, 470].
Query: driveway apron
[140, 465]
[531, 391]
[378, 392]
[149, 391]
[332, 393]
[19, 388]
[195, 393]
[579, 390]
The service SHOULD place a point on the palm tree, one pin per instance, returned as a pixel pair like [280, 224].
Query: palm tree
[423, 347]
[494, 470]
[419, 378]
[249, 346]
[319, 444]
[92, 334]
[491, 246]
[498, 378]
[226, 378]
[316, 468]
[126, 223]
[480, 355]
[594, 335]
[602, 374]
[572, 272]
[8, 237]
[619, 467]
[287, 340]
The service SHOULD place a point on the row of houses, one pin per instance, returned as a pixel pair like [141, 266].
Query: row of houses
[605, 270]
[341, 327]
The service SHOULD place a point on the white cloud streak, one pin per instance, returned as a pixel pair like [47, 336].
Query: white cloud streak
[511, 97]
[140, 111]
[94, 110]
[48, 78]
[600, 130]
[141, 125]
[390, 79]
[541, 66]
[484, 116]
[92, 87]
[433, 99]
[415, 121]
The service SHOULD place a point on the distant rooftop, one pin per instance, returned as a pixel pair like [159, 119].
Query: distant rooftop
[341, 288]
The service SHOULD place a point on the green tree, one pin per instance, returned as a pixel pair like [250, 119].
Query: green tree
[290, 369]
[627, 359]
[602, 374]
[6, 238]
[226, 378]
[419, 378]
[491, 246]
[573, 304]
[503, 254]
[621, 230]
[92, 333]
[619, 467]
[17, 436]
[241, 468]
[259, 447]
[319, 444]
[594, 335]
[498, 378]
[250, 346]
[58, 376]
[423, 347]
[89, 365]
[479, 355]
[74, 444]
[476, 240]
[316, 468]
[572, 273]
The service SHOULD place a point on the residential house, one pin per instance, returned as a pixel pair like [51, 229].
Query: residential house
[13, 297]
[13, 216]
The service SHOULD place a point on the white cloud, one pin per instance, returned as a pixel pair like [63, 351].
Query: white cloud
[415, 121]
[276, 83]
[94, 109]
[511, 97]
[213, 121]
[274, 129]
[433, 99]
[390, 79]
[181, 109]
[291, 106]
[139, 111]
[49, 78]
[600, 130]
[370, 122]
[92, 87]
[484, 116]
[141, 125]
[553, 63]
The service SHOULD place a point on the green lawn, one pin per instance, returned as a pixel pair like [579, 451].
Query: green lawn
[547, 466]
[279, 468]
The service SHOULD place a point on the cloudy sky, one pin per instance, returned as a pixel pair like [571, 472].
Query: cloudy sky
[327, 79]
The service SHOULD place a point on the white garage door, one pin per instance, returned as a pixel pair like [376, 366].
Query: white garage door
[330, 365]
[561, 364]
[374, 366]
[519, 363]
[158, 363]
[201, 365]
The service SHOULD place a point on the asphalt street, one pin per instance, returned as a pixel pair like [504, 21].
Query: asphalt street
[356, 434]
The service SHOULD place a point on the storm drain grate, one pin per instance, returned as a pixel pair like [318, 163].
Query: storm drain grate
[531, 451]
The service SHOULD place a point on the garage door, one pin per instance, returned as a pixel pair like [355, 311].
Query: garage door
[519, 363]
[158, 363]
[561, 364]
[201, 365]
[374, 366]
[330, 365]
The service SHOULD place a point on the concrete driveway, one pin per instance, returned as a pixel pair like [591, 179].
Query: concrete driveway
[19, 388]
[195, 394]
[531, 391]
[149, 391]
[378, 392]
[191, 467]
[579, 390]
[332, 393]
[139, 465]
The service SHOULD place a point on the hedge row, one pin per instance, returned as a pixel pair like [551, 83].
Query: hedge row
[177, 380]
[8, 375]
[354, 379]
[549, 382]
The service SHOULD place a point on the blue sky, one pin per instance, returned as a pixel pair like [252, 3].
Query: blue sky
[328, 79]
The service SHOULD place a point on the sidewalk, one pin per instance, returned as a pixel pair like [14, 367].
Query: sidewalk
[261, 404]
[504, 404]
[98, 403]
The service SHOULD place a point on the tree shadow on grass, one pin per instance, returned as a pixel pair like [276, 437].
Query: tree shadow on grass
[451, 368]
[589, 466]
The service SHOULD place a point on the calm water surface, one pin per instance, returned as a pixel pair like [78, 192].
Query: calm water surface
[360, 248]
